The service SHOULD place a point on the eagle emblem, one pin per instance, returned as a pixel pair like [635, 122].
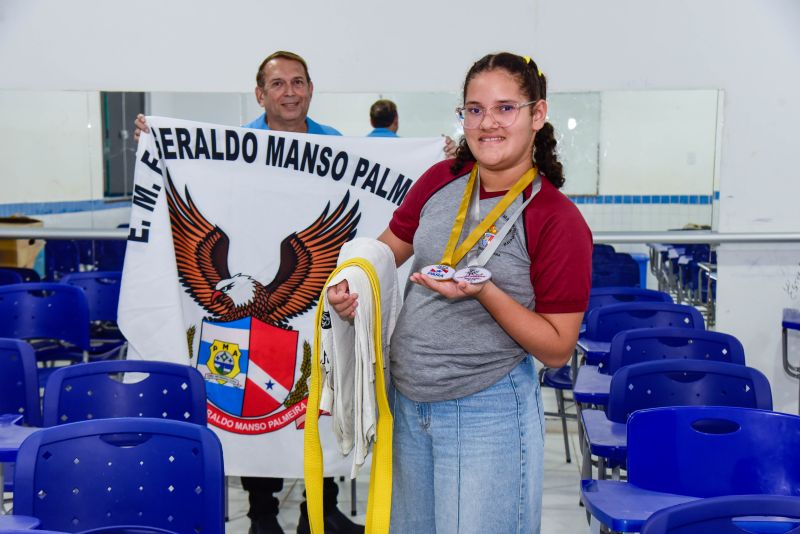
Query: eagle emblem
[307, 258]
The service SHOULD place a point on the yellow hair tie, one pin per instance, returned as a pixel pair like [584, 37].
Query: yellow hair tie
[528, 62]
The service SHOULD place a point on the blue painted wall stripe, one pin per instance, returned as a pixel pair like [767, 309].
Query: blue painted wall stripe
[644, 199]
[50, 208]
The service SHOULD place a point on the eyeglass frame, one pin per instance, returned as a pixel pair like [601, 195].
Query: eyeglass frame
[517, 106]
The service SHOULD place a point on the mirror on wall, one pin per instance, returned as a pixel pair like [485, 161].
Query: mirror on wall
[634, 160]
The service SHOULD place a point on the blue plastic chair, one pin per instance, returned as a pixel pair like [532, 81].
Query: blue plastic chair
[618, 269]
[102, 294]
[723, 515]
[61, 257]
[53, 317]
[97, 391]
[28, 275]
[605, 322]
[593, 384]
[19, 385]
[9, 277]
[680, 454]
[139, 472]
[667, 383]
[601, 249]
[111, 254]
[562, 379]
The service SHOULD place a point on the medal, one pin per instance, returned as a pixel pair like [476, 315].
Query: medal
[473, 275]
[484, 230]
[438, 272]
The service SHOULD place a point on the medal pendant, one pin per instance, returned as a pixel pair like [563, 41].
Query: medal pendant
[473, 275]
[438, 272]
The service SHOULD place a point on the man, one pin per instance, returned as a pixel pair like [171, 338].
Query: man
[284, 89]
[383, 117]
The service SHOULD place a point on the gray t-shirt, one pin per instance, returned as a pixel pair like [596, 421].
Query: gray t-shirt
[447, 349]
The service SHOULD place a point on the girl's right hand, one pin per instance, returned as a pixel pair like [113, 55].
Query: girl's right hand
[342, 301]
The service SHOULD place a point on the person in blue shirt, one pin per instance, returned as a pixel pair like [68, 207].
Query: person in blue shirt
[383, 117]
[284, 89]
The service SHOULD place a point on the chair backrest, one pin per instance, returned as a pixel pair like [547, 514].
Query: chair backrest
[9, 277]
[127, 471]
[19, 385]
[102, 292]
[601, 249]
[607, 296]
[45, 310]
[98, 390]
[709, 451]
[28, 275]
[716, 514]
[605, 322]
[685, 383]
[111, 254]
[61, 256]
[618, 269]
[649, 344]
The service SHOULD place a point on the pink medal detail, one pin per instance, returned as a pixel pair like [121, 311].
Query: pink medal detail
[473, 275]
[438, 272]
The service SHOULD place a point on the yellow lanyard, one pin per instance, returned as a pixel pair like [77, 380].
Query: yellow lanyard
[453, 255]
[379, 502]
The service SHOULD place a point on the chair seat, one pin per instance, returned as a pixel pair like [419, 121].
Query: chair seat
[558, 378]
[791, 319]
[18, 522]
[592, 386]
[606, 438]
[596, 352]
[624, 507]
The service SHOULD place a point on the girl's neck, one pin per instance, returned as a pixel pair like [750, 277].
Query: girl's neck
[502, 180]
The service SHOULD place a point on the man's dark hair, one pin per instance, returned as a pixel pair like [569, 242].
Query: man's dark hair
[280, 54]
[382, 113]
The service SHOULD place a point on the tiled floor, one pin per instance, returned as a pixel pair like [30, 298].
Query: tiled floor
[560, 515]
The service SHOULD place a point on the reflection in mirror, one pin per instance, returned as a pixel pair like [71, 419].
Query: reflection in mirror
[634, 160]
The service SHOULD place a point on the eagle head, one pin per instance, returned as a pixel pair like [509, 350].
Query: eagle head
[240, 289]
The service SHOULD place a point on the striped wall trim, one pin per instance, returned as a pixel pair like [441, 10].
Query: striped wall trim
[642, 199]
[51, 208]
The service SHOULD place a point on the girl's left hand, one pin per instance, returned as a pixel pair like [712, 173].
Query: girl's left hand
[449, 288]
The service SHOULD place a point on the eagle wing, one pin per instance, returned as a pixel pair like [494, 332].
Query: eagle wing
[201, 250]
[307, 259]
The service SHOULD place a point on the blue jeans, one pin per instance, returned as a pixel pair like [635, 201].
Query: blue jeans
[470, 465]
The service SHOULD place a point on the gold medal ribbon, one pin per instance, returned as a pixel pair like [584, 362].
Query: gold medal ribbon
[453, 255]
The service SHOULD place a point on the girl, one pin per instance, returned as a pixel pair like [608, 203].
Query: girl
[502, 272]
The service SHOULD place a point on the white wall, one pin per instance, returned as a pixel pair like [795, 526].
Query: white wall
[50, 146]
[748, 48]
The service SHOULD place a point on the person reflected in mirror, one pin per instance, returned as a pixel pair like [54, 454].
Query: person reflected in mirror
[383, 118]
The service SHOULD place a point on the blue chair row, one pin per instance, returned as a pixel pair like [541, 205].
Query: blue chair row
[98, 390]
[102, 390]
[667, 383]
[680, 454]
[628, 347]
[147, 472]
[562, 379]
[603, 323]
[57, 319]
[65, 256]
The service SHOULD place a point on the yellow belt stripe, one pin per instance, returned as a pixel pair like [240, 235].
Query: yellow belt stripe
[380, 485]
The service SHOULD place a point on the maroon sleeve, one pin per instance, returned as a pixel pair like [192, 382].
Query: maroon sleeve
[405, 219]
[560, 248]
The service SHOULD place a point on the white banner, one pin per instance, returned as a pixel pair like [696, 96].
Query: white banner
[233, 232]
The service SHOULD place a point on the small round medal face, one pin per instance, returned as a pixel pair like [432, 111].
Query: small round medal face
[473, 275]
[438, 272]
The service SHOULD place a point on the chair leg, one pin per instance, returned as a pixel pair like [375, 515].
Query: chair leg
[353, 509]
[563, 415]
